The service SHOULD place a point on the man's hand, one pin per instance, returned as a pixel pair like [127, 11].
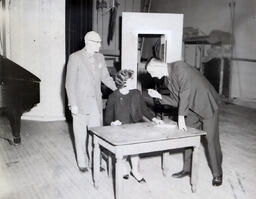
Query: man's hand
[73, 109]
[154, 94]
[116, 123]
[181, 123]
[157, 121]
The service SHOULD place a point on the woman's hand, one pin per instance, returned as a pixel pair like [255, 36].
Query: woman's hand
[157, 121]
[153, 93]
[116, 123]
[181, 123]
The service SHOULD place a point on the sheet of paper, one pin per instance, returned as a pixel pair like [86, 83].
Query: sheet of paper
[166, 125]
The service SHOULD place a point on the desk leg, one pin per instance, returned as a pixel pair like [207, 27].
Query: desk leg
[96, 161]
[164, 163]
[118, 178]
[195, 169]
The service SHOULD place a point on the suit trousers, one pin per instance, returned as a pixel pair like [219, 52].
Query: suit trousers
[212, 145]
[83, 141]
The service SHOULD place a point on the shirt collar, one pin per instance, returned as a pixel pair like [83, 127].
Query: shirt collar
[87, 54]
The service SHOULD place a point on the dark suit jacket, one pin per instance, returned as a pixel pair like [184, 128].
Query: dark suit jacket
[190, 90]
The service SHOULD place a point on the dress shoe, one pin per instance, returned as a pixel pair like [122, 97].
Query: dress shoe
[142, 180]
[126, 176]
[16, 141]
[83, 169]
[217, 180]
[181, 174]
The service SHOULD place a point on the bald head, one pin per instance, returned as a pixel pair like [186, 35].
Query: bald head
[92, 42]
[92, 36]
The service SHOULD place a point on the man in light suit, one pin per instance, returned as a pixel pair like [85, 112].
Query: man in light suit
[86, 70]
[197, 103]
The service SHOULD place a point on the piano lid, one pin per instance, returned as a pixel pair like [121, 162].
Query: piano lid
[12, 71]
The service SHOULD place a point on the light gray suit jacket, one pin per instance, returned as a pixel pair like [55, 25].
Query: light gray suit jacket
[83, 81]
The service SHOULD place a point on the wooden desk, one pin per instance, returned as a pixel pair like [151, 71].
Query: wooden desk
[130, 139]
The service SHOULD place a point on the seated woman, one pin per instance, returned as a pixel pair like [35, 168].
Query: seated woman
[124, 106]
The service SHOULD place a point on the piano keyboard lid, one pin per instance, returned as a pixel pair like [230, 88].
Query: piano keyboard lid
[12, 71]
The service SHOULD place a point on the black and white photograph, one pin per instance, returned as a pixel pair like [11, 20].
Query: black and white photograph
[127, 99]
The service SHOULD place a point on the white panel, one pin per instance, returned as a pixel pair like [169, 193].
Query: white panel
[171, 25]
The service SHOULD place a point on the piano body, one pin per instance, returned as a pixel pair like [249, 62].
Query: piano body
[19, 92]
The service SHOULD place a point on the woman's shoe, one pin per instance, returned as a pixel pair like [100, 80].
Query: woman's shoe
[181, 174]
[83, 169]
[142, 180]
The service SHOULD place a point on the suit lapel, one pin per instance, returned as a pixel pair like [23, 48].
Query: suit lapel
[84, 59]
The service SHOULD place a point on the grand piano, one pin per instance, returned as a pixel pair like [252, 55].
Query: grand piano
[19, 92]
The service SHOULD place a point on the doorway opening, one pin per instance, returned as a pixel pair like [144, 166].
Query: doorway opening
[149, 45]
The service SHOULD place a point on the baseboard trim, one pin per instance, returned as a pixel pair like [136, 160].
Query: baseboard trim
[42, 118]
[250, 103]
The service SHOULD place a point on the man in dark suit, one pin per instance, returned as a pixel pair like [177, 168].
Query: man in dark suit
[197, 103]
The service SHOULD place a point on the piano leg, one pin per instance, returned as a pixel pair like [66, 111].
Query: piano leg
[15, 117]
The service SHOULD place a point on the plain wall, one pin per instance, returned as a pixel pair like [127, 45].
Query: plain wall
[37, 43]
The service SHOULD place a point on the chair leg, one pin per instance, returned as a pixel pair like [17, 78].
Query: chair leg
[109, 165]
[101, 158]
[106, 156]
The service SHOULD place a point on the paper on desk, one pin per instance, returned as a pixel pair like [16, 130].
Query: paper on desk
[165, 125]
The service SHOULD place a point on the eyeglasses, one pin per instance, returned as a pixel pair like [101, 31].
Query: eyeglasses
[98, 42]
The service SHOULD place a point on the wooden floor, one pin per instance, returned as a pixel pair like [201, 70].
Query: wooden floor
[44, 166]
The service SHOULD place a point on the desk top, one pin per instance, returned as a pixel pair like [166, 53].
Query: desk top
[142, 132]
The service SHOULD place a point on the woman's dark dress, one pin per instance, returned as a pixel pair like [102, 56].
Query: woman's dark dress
[129, 108]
